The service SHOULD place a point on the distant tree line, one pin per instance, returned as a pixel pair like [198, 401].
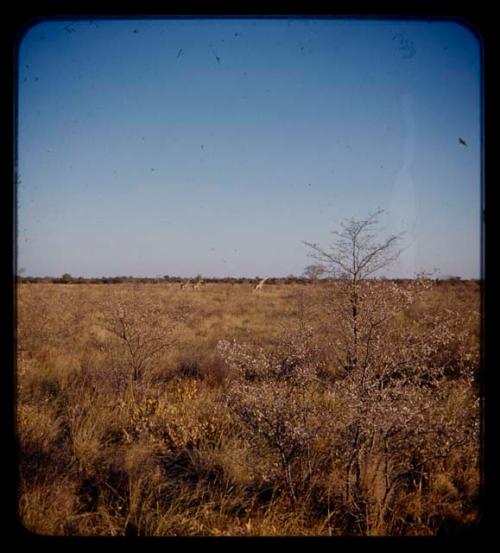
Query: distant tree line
[290, 279]
[68, 279]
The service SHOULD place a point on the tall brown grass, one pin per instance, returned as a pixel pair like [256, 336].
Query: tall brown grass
[143, 409]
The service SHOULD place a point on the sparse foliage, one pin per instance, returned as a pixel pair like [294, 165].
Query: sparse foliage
[356, 253]
[139, 330]
[314, 272]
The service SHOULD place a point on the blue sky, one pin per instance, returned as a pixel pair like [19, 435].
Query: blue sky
[216, 147]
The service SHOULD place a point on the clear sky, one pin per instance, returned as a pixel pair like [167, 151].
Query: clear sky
[216, 147]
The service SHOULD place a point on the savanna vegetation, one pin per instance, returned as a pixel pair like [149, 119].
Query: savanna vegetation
[344, 406]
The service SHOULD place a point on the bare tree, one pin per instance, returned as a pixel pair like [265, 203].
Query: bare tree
[314, 272]
[355, 255]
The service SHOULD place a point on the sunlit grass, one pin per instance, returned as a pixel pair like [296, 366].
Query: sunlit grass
[176, 449]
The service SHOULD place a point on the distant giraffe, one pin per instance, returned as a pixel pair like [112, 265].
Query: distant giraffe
[185, 284]
[259, 286]
[198, 285]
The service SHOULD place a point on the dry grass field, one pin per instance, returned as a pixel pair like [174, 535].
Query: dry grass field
[151, 410]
